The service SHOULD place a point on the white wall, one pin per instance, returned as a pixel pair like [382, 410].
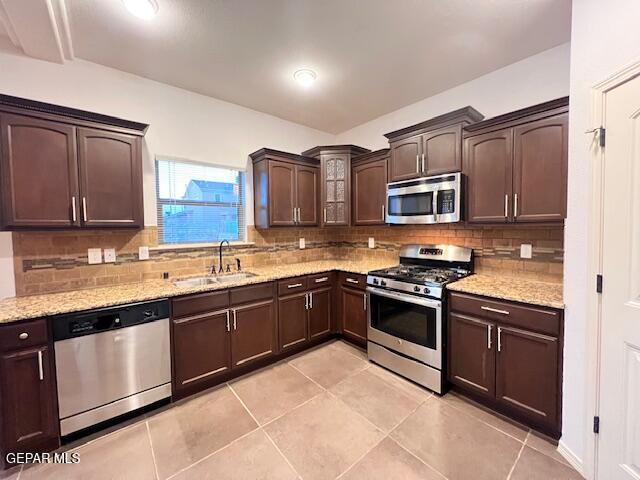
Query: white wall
[542, 77]
[605, 37]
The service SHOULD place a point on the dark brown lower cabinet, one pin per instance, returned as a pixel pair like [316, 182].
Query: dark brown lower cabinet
[353, 314]
[201, 348]
[319, 312]
[29, 411]
[509, 357]
[292, 320]
[254, 332]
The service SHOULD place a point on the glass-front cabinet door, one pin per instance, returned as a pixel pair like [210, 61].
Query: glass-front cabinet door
[335, 190]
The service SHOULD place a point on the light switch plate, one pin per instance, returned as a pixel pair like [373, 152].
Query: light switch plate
[526, 250]
[302, 244]
[143, 253]
[94, 255]
[372, 242]
[109, 255]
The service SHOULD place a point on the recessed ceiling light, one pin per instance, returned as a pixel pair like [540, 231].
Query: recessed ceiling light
[145, 9]
[305, 77]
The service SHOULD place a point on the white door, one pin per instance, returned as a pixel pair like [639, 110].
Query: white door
[619, 439]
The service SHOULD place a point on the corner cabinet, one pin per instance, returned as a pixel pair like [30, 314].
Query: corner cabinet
[516, 166]
[335, 190]
[508, 356]
[286, 189]
[369, 188]
[432, 147]
[65, 168]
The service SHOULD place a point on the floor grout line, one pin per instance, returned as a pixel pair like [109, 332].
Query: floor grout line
[359, 459]
[417, 457]
[153, 454]
[280, 452]
[513, 467]
[293, 409]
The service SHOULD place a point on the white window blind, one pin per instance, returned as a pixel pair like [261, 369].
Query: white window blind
[199, 203]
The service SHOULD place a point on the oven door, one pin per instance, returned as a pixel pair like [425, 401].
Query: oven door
[411, 204]
[407, 324]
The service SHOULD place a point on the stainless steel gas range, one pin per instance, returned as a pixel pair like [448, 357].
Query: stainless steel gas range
[406, 324]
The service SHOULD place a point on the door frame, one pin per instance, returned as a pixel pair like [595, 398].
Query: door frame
[595, 233]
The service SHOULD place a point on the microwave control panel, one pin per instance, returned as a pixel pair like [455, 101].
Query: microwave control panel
[446, 201]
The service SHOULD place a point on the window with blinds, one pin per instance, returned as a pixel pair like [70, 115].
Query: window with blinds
[199, 203]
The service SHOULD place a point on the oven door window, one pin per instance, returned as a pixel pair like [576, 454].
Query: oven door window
[411, 204]
[404, 320]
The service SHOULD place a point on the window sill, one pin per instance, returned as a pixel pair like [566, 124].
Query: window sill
[185, 246]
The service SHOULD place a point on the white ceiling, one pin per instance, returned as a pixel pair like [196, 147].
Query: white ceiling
[371, 56]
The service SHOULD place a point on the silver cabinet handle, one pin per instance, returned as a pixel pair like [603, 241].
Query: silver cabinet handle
[311, 300]
[23, 336]
[364, 301]
[294, 285]
[40, 370]
[306, 301]
[499, 339]
[383, 217]
[506, 206]
[515, 205]
[494, 310]
[417, 163]
[294, 215]
[235, 319]
[321, 279]
[423, 163]
[351, 280]
[84, 208]
[74, 214]
[325, 215]
[228, 322]
[489, 327]
[299, 215]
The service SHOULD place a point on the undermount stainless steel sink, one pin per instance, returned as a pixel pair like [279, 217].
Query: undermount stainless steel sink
[210, 280]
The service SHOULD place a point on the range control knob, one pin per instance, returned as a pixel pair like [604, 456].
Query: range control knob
[375, 281]
[416, 289]
[426, 290]
[383, 283]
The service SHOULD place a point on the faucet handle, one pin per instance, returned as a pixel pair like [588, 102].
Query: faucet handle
[228, 268]
[238, 264]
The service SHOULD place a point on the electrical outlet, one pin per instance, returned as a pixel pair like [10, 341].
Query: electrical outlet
[143, 253]
[372, 242]
[302, 244]
[526, 250]
[94, 255]
[109, 255]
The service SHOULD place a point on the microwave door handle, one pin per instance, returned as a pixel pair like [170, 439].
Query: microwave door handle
[435, 204]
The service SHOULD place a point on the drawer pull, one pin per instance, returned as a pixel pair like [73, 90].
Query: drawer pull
[23, 336]
[320, 280]
[494, 310]
[294, 285]
[351, 280]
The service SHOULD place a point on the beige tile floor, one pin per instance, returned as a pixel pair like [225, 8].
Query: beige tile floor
[324, 414]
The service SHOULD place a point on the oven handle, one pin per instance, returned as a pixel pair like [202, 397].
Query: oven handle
[405, 297]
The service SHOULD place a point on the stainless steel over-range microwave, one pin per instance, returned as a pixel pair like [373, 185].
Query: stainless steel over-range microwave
[425, 200]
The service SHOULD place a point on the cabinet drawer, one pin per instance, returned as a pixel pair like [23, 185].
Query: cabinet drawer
[320, 280]
[251, 293]
[539, 319]
[353, 280]
[23, 335]
[199, 303]
[292, 285]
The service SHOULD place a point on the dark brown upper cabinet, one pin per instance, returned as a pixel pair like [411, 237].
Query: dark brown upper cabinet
[516, 166]
[369, 188]
[431, 147]
[66, 168]
[286, 189]
[335, 184]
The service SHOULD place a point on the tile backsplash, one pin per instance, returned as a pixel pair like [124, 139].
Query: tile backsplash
[57, 261]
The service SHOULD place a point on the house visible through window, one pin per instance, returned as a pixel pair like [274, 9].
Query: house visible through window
[199, 203]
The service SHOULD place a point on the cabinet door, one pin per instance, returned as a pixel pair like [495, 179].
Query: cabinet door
[29, 410]
[110, 179]
[369, 193]
[292, 320]
[527, 374]
[354, 314]
[319, 312]
[254, 332]
[488, 166]
[39, 173]
[540, 170]
[201, 348]
[443, 150]
[307, 194]
[282, 193]
[406, 160]
[472, 354]
[335, 189]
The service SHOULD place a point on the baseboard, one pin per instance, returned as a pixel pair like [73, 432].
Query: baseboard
[571, 457]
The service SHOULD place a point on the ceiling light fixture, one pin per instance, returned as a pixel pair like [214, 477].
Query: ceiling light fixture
[145, 9]
[305, 77]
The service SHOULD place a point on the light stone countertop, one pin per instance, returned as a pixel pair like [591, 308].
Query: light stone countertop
[21, 308]
[511, 288]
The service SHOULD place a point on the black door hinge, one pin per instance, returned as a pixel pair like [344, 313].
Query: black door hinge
[596, 424]
[599, 283]
[602, 136]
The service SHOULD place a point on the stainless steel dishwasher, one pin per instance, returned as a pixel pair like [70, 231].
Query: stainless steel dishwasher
[110, 362]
